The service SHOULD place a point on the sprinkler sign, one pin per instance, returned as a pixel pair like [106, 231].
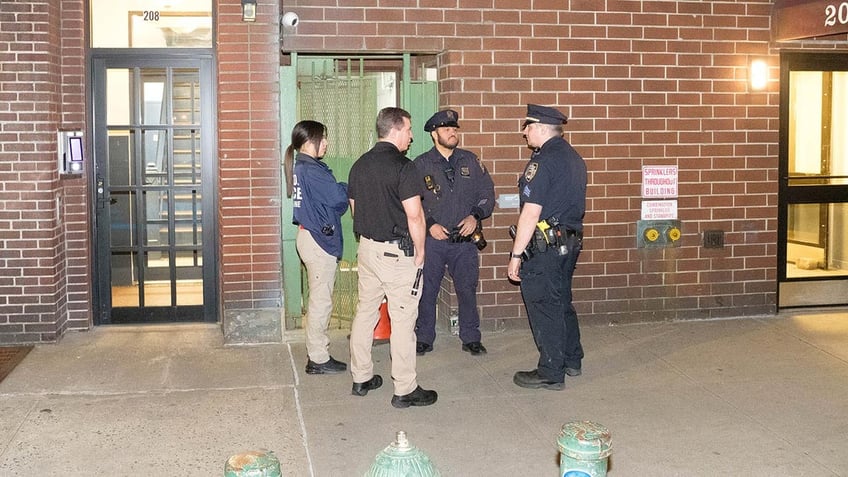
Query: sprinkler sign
[659, 181]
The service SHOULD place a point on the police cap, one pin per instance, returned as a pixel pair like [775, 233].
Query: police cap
[544, 115]
[448, 117]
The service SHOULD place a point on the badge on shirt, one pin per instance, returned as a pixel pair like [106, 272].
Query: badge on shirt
[428, 182]
[530, 172]
[464, 171]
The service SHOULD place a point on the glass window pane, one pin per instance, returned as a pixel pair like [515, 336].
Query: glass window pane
[119, 158]
[818, 128]
[156, 206]
[187, 156]
[189, 292]
[817, 243]
[151, 24]
[157, 284]
[186, 96]
[805, 131]
[155, 149]
[122, 227]
[124, 280]
[838, 163]
[153, 97]
[187, 217]
[119, 96]
[189, 278]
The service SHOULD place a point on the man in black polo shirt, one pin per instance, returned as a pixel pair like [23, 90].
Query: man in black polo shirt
[389, 220]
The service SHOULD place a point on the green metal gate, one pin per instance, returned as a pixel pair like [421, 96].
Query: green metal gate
[345, 93]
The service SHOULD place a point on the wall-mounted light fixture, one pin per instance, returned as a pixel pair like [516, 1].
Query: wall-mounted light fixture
[248, 10]
[759, 74]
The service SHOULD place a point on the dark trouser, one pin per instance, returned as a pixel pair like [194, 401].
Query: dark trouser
[546, 289]
[464, 267]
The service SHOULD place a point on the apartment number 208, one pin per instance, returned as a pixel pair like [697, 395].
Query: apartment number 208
[153, 15]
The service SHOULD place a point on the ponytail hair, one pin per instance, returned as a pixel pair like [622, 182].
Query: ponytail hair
[304, 132]
[288, 170]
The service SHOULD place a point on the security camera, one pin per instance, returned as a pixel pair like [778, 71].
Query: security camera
[290, 19]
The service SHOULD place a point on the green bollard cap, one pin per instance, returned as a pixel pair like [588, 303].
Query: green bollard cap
[400, 459]
[585, 440]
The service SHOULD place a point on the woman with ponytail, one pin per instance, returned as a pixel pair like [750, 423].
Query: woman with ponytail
[319, 201]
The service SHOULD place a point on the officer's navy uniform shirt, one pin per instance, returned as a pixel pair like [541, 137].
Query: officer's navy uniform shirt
[319, 202]
[446, 201]
[555, 178]
[380, 180]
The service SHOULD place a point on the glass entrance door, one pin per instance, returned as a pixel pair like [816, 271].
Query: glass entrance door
[152, 189]
[813, 196]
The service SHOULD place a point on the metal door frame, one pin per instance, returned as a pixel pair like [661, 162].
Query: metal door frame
[806, 291]
[99, 61]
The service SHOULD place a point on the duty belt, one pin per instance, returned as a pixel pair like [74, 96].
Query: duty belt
[459, 239]
[572, 233]
[393, 241]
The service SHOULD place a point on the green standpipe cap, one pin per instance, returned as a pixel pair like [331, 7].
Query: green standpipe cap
[400, 459]
[585, 440]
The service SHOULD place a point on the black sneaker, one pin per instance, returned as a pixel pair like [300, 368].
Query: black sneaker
[532, 380]
[422, 348]
[330, 367]
[419, 397]
[361, 389]
[573, 371]
[475, 348]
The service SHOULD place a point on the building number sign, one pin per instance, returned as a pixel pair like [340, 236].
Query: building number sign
[836, 14]
[150, 15]
[797, 19]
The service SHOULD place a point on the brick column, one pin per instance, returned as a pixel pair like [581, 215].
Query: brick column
[249, 173]
[34, 231]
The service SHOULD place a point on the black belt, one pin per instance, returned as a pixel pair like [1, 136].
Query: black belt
[393, 242]
[571, 233]
[459, 239]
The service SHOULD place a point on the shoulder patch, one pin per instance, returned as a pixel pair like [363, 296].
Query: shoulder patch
[480, 163]
[530, 171]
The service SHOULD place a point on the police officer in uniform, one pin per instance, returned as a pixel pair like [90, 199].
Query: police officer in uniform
[318, 202]
[547, 243]
[458, 194]
[388, 218]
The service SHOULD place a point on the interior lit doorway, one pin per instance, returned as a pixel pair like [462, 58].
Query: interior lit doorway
[154, 188]
[813, 194]
[152, 116]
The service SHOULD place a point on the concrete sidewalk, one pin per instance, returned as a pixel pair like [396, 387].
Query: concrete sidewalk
[755, 397]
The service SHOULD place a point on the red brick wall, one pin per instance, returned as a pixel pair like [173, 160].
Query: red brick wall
[645, 83]
[75, 213]
[37, 295]
[249, 157]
